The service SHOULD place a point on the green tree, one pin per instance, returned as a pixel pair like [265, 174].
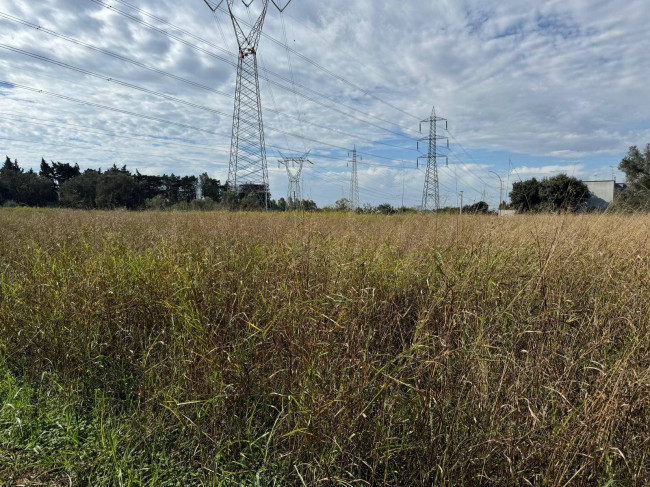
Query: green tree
[8, 177]
[64, 172]
[188, 188]
[46, 170]
[230, 201]
[557, 193]
[58, 172]
[251, 202]
[477, 208]
[116, 188]
[406, 209]
[260, 191]
[386, 209]
[172, 185]
[309, 205]
[210, 188]
[80, 192]
[343, 205]
[150, 186]
[10, 166]
[25, 188]
[525, 195]
[636, 166]
[563, 193]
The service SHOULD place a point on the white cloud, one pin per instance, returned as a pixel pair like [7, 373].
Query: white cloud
[561, 81]
[524, 172]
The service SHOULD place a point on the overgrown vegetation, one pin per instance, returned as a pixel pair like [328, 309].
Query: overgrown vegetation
[255, 349]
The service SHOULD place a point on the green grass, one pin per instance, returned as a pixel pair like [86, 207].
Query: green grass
[250, 349]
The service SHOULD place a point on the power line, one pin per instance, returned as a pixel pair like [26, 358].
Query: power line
[96, 131]
[228, 61]
[33, 121]
[179, 124]
[68, 144]
[177, 100]
[204, 87]
[293, 83]
[196, 128]
[463, 176]
[94, 148]
[111, 79]
[465, 151]
[279, 43]
[110, 53]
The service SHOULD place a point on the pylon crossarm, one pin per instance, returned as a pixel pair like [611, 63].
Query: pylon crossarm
[214, 6]
[277, 5]
[250, 41]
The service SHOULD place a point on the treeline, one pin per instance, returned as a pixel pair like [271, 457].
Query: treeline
[480, 208]
[65, 185]
[59, 184]
[557, 193]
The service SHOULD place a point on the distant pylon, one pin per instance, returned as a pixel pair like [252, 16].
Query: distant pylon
[248, 165]
[294, 166]
[431, 192]
[354, 180]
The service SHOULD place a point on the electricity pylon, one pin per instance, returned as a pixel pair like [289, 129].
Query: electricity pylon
[247, 147]
[354, 180]
[431, 192]
[294, 166]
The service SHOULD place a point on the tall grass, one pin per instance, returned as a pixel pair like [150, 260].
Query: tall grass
[253, 349]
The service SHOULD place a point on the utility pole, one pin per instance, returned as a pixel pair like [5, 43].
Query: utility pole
[354, 180]
[461, 202]
[500, 191]
[248, 165]
[509, 171]
[431, 192]
[613, 173]
[403, 184]
[294, 167]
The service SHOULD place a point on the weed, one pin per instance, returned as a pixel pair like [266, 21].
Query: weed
[303, 349]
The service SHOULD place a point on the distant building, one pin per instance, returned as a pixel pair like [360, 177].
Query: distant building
[603, 193]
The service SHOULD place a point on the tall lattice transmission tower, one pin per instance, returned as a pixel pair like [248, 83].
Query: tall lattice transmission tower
[354, 180]
[294, 166]
[431, 192]
[248, 166]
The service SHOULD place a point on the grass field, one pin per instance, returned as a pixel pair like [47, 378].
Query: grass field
[178, 349]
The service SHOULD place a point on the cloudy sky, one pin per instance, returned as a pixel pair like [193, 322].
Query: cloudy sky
[529, 88]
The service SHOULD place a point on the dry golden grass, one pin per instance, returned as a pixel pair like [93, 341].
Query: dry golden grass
[291, 349]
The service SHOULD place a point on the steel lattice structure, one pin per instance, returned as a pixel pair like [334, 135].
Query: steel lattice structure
[431, 192]
[354, 181]
[294, 166]
[248, 166]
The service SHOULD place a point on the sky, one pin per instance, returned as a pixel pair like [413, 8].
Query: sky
[528, 88]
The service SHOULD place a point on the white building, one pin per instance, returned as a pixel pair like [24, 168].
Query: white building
[603, 193]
